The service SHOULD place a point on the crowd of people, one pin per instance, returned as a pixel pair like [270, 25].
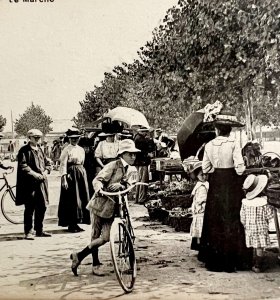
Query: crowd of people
[230, 212]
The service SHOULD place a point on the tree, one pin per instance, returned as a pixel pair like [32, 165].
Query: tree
[205, 50]
[2, 122]
[33, 117]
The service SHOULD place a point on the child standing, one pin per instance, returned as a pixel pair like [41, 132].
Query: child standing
[199, 194]
[255, 215]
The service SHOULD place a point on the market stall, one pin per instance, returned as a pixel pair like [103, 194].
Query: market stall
[170, 201]
[166, 204]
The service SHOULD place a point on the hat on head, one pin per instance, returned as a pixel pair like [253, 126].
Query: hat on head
[254, 185]
[227, 118]
[127, 146]
[106, 134]
[143, 129]
[125, 133]
[158, 130]
[73, 133]
[196, 166]
[34, 132]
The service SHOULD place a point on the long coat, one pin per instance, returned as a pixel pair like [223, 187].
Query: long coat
[28, 163]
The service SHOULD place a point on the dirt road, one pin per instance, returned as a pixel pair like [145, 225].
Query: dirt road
[168, 269]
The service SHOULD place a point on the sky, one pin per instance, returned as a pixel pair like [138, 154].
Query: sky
[52, 53]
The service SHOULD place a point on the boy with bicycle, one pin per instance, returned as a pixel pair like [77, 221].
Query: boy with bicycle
[113, 177]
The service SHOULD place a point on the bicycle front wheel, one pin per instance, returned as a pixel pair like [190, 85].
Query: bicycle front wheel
[123, 255]
[10, 211]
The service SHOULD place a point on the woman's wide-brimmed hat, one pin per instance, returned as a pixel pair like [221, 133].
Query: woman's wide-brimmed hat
[103, 134]
[227, 118]
[125, 133]
[143, 129]
[73, 133]
[254, 185]
[127, 145]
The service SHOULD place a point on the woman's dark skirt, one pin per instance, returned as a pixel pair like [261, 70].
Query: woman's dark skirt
[223, 245]
[73, 201]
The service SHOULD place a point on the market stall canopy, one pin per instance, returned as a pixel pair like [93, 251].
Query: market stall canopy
[130, 116]
[193, 134]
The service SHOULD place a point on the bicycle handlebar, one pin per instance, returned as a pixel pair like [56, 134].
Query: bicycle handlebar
[8, 172]
[122, 191]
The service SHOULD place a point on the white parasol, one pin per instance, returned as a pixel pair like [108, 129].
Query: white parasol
[130, 116]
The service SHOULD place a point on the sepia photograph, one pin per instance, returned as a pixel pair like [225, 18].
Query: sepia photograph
[139, 149]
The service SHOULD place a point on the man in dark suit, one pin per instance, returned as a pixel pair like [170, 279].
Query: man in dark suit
[113, 177]
[32, 184]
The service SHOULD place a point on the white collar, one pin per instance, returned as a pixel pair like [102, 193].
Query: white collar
[124, 162]
[34, 147]
[258, 201]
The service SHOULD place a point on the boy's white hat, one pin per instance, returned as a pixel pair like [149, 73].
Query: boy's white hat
[127, 145]
[254, 185]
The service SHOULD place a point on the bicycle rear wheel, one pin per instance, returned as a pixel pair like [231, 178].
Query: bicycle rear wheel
[10, 211]
[123, 255]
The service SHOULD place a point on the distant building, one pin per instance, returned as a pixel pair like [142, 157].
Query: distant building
[59, 127]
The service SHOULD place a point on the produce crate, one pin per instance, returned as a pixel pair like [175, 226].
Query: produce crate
[171, 201]
[173, 165]
[158, 164]
[180, 223]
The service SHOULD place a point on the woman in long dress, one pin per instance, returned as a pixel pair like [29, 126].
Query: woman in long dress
[74, 194]
[223, 239]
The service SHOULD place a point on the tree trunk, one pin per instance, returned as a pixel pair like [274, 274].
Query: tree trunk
[261, 136]
[249, 115]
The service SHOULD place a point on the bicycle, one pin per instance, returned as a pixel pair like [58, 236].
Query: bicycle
[10, 211]
[122, 239]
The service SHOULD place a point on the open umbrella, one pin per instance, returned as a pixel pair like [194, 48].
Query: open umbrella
[130, 116]
[193, 134]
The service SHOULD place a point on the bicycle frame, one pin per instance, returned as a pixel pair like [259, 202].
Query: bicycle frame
[123, 210]
[122, 240]
[6, 183]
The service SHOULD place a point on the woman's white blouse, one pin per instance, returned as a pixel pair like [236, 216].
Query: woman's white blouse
[107, 150]
[71, 154]
[223, 152]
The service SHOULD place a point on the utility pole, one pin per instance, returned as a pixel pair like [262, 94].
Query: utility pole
[12, 124]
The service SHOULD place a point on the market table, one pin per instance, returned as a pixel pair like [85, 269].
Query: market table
[167, 166]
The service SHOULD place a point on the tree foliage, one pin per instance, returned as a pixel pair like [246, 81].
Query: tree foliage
[204, 50]
[2, 122]
[33, 117]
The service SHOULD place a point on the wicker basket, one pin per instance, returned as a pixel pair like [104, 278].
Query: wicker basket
[273, 195]
[158, 214]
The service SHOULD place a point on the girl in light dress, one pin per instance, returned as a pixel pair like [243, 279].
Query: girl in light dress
[255, 214]
[199, 194]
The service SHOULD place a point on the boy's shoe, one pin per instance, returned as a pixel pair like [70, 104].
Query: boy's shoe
[75, 263]
[29, 236]
[97, 271]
